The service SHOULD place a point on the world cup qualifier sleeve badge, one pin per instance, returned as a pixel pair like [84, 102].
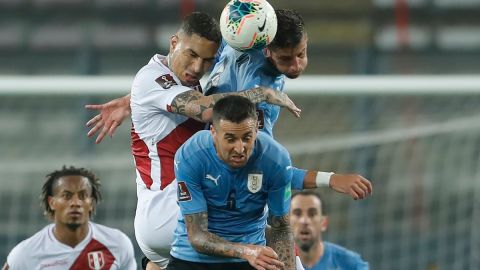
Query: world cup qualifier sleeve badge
[254, 183]
[166, 81]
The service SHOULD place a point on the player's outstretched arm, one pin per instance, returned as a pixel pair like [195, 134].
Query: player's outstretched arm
[280, 239]
[110, 117]
[199, 107]
[355, 185]
[203, 241]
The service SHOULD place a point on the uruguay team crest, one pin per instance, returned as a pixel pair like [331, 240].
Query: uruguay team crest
[96, 260]
[254, 184]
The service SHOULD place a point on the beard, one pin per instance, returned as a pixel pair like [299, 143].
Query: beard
[305, 246]
[73, 226]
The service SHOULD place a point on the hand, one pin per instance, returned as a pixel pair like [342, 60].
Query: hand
[262, 257]
[111, 116]
[355, 185]
[282, 99]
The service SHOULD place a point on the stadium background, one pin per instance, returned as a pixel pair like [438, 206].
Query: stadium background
[419, 147]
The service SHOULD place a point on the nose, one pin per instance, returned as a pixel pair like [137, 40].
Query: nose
[75, 200]
[295, 66]
[239, 146]
[198, 65]
[303, 219]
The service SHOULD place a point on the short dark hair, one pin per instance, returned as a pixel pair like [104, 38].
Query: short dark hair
[290, 29]
[311, 192]
[233, 108]
[203, 25]
[47, 189]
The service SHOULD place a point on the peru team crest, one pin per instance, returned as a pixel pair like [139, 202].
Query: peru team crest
[96, 260]
[254, 183]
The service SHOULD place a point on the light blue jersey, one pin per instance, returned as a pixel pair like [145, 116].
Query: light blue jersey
[238, 71]
[234, 199]
[336, 257]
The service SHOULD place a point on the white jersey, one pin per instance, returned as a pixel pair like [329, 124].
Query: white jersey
[103, 248]
[157, 133]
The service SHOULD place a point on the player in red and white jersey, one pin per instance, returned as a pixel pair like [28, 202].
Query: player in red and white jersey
[72, 242]
[102, 248]
[167, 108]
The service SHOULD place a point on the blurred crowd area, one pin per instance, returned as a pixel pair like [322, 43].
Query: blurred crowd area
[345, 37]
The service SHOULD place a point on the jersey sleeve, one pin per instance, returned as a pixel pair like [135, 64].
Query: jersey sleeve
[280, 192]
[128, 255]
[151, 89]
[189, 193]
[298, 176]
[18, 258]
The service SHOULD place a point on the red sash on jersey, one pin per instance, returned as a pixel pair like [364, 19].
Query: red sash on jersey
[94, 256]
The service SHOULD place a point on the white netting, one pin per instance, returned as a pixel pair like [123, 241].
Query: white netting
[416, 138]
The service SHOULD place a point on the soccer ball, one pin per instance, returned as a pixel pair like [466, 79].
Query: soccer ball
[247, 24]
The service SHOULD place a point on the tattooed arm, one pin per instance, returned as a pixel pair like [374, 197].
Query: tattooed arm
[203, 241]
[280, 239]
[195, 105]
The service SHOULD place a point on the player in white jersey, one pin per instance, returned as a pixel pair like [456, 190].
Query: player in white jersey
[168, 107]
[72, 242]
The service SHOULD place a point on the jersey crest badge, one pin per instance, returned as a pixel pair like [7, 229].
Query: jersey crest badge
[166, 81]
[254, 183]
[183, 193]
[96, 261]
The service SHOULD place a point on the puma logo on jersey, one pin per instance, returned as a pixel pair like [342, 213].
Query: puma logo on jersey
[215, 180]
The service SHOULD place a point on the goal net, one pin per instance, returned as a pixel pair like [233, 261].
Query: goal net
[416, 138]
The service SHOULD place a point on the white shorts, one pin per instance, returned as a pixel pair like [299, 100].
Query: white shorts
[155, 221]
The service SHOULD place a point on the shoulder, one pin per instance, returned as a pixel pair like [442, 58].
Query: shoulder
[343, 255]
[110, 236]
[271, 149]
[195, 146]
[28, 248]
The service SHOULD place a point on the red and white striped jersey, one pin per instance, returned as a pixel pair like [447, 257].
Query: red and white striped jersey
[156, 132]
[103, 248]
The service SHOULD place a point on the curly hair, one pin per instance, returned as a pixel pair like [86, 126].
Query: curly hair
[290, 29]
[51, 179]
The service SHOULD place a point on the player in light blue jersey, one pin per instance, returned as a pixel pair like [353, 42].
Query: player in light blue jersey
[285, 56]
[226, 179]
[308, 221]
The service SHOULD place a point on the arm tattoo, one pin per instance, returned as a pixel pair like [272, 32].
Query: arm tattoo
[190, 103]
[206, 242]
[281, 239]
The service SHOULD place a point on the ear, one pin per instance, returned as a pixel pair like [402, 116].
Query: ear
[267, 52]
[51, 202]
[213, 131]
[324, 223]
[173, 43]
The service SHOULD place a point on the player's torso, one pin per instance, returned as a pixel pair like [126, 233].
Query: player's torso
[46, 253]
[157, 133]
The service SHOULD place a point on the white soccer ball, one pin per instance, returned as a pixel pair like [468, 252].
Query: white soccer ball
[247, 24]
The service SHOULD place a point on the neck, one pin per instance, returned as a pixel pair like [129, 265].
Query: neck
[166, 60]
[311, 257]
[70, 236]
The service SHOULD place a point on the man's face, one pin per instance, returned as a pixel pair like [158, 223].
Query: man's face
[234, 141]
[191, 56]
[307, 221]
[71, 201]
[290, 61]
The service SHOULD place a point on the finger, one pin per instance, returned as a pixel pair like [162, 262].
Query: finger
[112, 129]
[368, 184]
[102, 134]
[95, 129]
[353, 193]
[363, 187]
[93, 106]
[359, 191]
[94, 120]
[266, 265]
